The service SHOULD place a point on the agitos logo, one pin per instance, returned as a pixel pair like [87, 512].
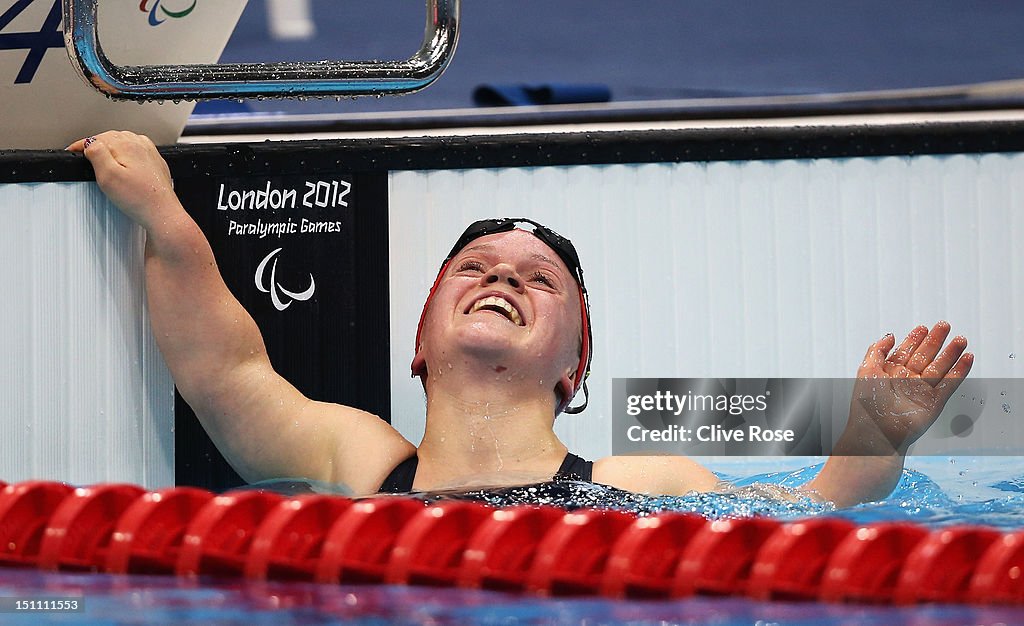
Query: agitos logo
[158, 12]
[275, 289]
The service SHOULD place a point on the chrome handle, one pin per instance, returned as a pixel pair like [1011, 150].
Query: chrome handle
[265, 80]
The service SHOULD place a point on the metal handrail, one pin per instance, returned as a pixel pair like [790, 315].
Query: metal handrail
[259, 80]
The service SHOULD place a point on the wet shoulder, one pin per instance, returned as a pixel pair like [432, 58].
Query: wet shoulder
[661, 475]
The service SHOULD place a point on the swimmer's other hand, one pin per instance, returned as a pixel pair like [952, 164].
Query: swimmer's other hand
[899, 395]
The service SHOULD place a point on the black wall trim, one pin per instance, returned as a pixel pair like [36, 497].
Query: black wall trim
[535, 150]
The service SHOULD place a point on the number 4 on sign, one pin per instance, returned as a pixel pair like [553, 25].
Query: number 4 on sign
[49, 36]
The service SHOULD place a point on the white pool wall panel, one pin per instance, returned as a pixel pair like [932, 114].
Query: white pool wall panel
[86, 397]
[787, 268]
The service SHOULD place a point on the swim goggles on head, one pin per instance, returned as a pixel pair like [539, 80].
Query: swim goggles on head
[565, 251]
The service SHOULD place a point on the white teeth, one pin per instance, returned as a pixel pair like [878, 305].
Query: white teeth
[501, 303]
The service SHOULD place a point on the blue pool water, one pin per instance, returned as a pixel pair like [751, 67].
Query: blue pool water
[164, 600]
[935, 491]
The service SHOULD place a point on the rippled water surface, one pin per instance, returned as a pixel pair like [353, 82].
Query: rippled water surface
[933, 490]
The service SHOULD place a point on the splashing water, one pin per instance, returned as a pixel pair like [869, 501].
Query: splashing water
[936, 491]
[573, 494]
[985, 495]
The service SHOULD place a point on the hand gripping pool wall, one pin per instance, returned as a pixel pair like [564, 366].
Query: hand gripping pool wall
[305, 252]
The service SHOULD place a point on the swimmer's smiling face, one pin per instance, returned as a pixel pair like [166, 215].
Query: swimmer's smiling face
[508, 300]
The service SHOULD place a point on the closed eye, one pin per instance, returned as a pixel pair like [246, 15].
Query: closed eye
[474, 266]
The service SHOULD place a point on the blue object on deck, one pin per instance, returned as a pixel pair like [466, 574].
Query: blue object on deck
[221, 107]
[526, 95]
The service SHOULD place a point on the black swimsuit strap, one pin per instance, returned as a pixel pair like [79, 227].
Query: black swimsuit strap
[576, 468]
[401, 478]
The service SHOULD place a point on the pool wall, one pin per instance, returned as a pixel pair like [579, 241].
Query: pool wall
[754, 252]
[84, 394]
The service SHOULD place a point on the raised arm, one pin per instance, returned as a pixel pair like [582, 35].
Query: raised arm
[264, 426]
[896, 398]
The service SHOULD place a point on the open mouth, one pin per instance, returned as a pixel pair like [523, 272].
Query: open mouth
[498, 305]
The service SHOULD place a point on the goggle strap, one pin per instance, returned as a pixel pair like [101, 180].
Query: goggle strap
[423, 314]
[573, 410]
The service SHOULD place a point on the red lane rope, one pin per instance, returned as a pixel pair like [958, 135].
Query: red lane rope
[543, 550]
